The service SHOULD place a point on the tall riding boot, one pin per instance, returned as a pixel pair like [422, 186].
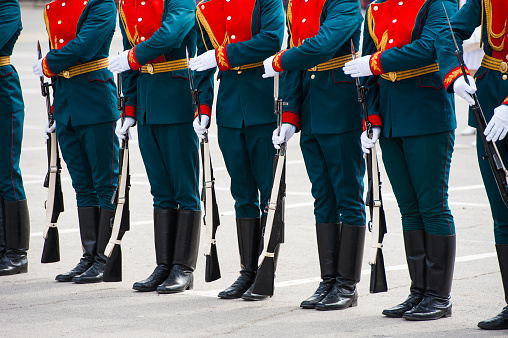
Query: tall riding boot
[95, 273]
[328, 235]
[349, 268]
[2, 228]
[500, 322]
[185, 254]
[17, 237]
[88, 228]
[440, 251]
[414, 243]
[249, 236]
[164, 221]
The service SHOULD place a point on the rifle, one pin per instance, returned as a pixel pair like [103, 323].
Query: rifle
[113, 268]
[54, 203]
[211, 216]
[274, 230]
[498, 169]
[377, 223]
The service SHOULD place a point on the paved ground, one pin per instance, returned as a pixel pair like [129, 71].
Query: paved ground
[34, 304]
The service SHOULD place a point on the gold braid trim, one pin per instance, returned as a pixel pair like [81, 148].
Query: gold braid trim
[5, 60]
[290, 23]
[46, 21]
[83, 68]
[203, 23]
[490, 32]
[132, 39]
[370, 21]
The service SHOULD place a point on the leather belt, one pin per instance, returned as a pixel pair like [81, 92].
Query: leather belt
[164, 67]
[5, 60]
[494, 64]
[334, 63]
[84, 68]
[407, 74]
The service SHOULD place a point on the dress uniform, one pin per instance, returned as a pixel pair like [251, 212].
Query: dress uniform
[85, 112]
[14, 220]
[156, 85]
[492, 83]
[237, 36]
[322, 103]
[406, 96]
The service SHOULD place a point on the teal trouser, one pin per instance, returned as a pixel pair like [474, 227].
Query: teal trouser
[336, 167]
[170, 155]
[91, 155]
[248, 154]
[11, 133]
[418, 168]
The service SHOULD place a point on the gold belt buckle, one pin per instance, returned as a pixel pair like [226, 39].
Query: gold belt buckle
[313, 69]
[392, 76]
[503, 67]
[149, 68]
[66, 74]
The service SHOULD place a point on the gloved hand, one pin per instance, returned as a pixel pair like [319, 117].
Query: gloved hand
[48, 130]
[200, 128]
[286, 132]
[367, 142]
[269, 71]
[37, 68]
[122, 129]
[359, 67]
[498, 125]
[462, 89]
[119, 63]
[205, 61]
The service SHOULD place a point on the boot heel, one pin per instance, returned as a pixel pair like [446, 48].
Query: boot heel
[190, 286]
[354, 303]
[23, 269]
[448, 313]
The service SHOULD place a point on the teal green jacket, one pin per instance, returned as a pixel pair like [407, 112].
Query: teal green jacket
[11, 99]
[320, 102]
[492, 84]
[160, 98]
[417, 105]
[88, 98]
[244, 97]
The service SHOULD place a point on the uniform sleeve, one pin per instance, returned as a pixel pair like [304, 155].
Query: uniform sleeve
[178, 22]
[463, 24]
[129, 81]
[342, 19]
[204, 80]
[9, 21]
[97, 28]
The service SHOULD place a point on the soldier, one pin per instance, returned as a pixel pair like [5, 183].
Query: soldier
[85, 112]
[491, 80]
[322, 102]
[14, 220]
[156, 85]
[237, 36]
[417, 141]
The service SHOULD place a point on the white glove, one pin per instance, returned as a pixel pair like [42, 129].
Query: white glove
[205, 61]
[37, 68]
[498, 125]
[367, 142]
[200, 128]
[359, 67]
[119, 63]
[122, 129]
[269, 71]
[462, 89]
[286, 131]
[48, 130]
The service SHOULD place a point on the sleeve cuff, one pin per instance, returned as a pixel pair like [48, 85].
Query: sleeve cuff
[205, 109]
[452, 75]
[505, 101]
[277, 66]
[130, 111]
[292, 118]
[133, 61]
[375, 64]
[45, 68]
[221, 54]
[375, 120]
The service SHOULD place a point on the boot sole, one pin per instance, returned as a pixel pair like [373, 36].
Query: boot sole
[87, 281]
[308, 306]
[23, 269]
[228, 296]
[342, 307]
[392, 315]
[446, 314]
[141, 289]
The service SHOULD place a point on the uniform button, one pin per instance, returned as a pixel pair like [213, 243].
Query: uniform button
[84, 3]
[140, 19]
[304, 20]
[202, 6]
[59, 22]
[376, 8]
[400, 3]
[390, 41]
[229, 18]
[506, 57]
[313, 76]
[143, 3]
[306, 0]
[239, 72]
[142, 38]
[394, 20]
[63, 4]
[61, 40]
[47, 6]
[505, 77]
[233, 37]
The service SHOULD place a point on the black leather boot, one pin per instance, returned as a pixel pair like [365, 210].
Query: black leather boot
[349, 268]
[17, 237]
[414, 243]
[88, 228]
[164, 232]
[185, 254]
[249, 235]
[2, 228]
[95, 273]
[500, 322]
[440, 252]
[328, 235]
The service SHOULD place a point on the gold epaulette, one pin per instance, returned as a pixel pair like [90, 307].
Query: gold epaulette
[334, 63]
[5, 60]
[84, 68]
[249, 66]
[494, 64]
[407, 74]
[164, 67]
